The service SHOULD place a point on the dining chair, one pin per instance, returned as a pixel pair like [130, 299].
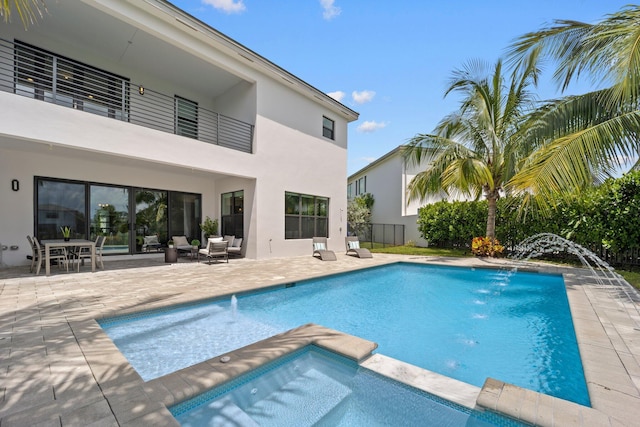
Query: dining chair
[99, 246]
[59, 255]
[35, 255]
[81, 253]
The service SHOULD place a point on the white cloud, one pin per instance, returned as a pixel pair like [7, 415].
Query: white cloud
[229, 6]
[363, 96]
[330, 11]
[337, 95]
[371, 126]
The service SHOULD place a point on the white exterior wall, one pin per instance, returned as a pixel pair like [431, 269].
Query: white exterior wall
[290, 153]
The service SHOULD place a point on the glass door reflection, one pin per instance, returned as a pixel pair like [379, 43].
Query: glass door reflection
[150, 216]
[110, 217]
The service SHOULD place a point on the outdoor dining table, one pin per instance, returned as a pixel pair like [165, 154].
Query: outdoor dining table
[61, 243]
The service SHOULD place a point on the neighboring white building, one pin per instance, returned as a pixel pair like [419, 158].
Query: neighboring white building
[387, 179]
[128, 117]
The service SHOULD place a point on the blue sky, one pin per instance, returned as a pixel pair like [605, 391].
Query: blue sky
[390, 60]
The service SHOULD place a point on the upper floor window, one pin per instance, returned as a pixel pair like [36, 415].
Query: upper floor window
[305, 216]
[361, 185]
[328, 128]
[186, 118]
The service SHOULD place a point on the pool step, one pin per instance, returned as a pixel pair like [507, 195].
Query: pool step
[225, 413]
[303, 401]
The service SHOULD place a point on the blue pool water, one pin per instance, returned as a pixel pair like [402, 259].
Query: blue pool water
[464, 323]
[316, 387]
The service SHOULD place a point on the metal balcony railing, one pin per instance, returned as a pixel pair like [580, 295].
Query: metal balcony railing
[32, 72]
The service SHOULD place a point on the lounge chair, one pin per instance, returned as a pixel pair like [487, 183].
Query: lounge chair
[150, 242]
[181, 244]
[320, 249]
[216, 248]
[353, 247]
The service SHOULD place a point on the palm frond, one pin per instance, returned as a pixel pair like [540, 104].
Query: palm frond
[29, 11]
[608, 52]
[575, 160]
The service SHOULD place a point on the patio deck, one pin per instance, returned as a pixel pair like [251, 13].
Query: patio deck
[57, 367]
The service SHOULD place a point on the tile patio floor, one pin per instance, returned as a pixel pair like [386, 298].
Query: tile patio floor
[57, 368]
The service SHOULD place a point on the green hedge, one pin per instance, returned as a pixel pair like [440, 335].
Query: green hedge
[607, 216]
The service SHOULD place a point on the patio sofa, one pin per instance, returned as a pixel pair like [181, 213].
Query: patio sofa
[234, 246]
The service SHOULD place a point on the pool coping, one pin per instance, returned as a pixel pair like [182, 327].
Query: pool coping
[59, 367]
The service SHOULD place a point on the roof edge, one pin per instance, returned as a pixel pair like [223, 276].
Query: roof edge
[250, 57]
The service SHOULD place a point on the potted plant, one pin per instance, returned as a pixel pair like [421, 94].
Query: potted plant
[195, 243]
[170, 243]
[209, 227]
[66, 233]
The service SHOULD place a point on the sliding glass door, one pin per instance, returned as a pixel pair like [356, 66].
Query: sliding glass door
[109, 207]
[60, 204]
[185, 215]
[150, 215]
[124, 215]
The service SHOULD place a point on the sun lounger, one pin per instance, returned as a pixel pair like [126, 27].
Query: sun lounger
[353, 247]
[320, 249]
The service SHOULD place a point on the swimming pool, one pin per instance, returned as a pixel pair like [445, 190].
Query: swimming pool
[464, 323]
[313, 386]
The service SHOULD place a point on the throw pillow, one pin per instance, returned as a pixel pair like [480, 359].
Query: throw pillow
[319, 247]
[354, 245]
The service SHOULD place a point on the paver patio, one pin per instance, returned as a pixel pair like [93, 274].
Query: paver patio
[57, 367]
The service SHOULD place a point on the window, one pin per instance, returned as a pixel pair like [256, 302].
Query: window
[232, 215]
[361, 185]
[328, 129]
[350, 190]
[305, 216]
[51, 78]
[34, 72]
[186, 118]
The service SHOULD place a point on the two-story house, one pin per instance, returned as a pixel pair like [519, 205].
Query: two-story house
[387, 179]
[128, 118]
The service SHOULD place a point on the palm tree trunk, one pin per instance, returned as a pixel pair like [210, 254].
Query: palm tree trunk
[491, 217]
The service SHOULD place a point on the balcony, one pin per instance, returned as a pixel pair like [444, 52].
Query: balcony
[28, 71]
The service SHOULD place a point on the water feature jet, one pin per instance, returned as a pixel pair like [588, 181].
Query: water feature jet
[234, 306]
[605, 276]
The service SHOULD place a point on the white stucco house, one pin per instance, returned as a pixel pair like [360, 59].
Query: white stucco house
[387, 180]
[127, 118]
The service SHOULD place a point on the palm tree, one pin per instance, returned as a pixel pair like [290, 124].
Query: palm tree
[475, 150]
[582, 139]
[28, 10]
